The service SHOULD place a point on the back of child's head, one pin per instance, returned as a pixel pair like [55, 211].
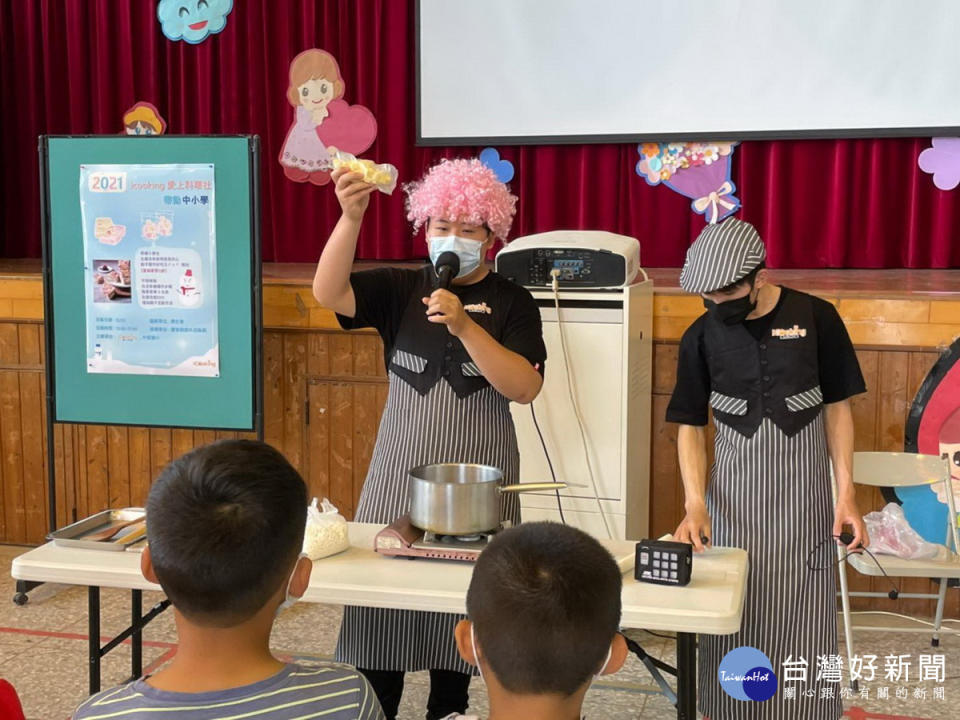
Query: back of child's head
[545, 605]
[225, 525]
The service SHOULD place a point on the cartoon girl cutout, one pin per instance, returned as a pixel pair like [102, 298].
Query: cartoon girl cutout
[321, 119]
[143, 119]
[949, 446]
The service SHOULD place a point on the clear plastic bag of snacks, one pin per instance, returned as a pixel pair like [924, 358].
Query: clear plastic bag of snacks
[326, 531]
[384, 175]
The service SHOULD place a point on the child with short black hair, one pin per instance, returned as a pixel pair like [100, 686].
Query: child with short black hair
[544, 617]
[225, 529]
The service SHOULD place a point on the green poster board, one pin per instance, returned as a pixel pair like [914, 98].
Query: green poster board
[230, 401]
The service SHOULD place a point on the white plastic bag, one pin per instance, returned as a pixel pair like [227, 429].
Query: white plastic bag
[891, 534]
[326, 532]
[383, 175]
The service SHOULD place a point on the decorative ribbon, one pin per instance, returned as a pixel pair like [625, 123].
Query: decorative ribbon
[713, 200]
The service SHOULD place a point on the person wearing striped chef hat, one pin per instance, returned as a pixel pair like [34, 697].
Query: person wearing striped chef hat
[777, 368]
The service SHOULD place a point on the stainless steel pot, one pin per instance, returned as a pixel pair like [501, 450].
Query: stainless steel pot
[461, 498]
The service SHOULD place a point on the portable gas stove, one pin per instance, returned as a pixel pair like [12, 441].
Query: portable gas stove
[400, 538]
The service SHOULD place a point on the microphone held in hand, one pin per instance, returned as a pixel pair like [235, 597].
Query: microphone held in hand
[447, 267]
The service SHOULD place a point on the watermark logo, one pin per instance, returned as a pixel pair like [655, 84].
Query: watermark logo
[746, 674]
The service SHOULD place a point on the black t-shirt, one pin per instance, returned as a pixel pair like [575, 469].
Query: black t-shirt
[389, 300]
[840, 376]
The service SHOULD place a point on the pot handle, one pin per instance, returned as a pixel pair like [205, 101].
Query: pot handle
[532, 487]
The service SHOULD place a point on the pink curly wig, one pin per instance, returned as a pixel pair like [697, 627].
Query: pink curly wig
[462, 191]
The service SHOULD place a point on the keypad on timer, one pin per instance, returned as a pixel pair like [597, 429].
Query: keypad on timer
[662, 562]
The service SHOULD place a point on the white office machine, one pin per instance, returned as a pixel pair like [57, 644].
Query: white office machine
[584, 259]
[608, 336]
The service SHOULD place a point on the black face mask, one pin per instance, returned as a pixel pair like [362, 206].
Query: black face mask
[731, 312]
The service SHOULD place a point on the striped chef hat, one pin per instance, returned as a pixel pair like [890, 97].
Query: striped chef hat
[723, 254]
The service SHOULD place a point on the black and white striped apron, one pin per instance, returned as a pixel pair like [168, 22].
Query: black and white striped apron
[414, 430]
[770, 495]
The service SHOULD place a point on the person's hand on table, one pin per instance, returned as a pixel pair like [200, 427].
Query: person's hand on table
[694, 526]
[352, 193]
[445, 307]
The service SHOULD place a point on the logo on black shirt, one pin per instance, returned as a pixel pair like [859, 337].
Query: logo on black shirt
[789, 333]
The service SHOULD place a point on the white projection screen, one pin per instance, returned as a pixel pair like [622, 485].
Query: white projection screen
[545, 71]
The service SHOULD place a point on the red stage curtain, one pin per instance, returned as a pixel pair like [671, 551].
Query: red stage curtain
[74, 66]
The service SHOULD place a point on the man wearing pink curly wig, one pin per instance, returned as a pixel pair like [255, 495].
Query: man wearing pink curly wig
[456, 358]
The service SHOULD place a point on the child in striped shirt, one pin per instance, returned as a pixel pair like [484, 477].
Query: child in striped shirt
[544, 619]
[225, 529]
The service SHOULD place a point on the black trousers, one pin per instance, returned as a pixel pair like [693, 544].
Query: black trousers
[449, 691]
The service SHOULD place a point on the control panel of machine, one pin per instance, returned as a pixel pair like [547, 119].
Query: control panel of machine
[578, 259]
[575, 267]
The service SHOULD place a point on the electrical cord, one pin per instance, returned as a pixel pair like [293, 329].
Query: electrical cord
[911, 619]
[846, 538]
[554, 274]
[533, 414]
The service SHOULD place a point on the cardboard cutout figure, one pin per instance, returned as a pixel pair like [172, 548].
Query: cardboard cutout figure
[193, 21]
[933, 428]
[143, 119]
[322, 119]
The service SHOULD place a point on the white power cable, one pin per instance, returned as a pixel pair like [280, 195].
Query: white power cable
[911, 619]
[554, 274]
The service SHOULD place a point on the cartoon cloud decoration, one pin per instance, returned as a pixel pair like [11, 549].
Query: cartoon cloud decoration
[933, 428]
[193, 20]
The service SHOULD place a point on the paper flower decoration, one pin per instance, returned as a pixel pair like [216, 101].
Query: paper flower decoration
[699, 171]
[943, 162]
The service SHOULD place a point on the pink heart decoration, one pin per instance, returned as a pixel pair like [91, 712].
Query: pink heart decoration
[351, 128]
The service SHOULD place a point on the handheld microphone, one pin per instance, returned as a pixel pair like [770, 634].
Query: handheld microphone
[447, 267]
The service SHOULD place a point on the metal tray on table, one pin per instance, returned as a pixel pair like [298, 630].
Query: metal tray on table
[72, 535]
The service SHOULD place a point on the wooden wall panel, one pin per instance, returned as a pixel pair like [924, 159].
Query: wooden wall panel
[294, 398]
[341, 447]
[141, 471]
[11, 447]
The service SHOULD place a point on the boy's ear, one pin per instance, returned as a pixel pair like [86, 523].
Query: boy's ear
[761, 279]
[146, 566]
[301, 576]
[618, 655]
[462, 635]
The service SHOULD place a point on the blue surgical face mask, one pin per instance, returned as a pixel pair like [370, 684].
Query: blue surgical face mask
[469, 251]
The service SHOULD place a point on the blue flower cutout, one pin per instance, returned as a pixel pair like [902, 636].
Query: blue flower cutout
[503, 169]
[193, 20]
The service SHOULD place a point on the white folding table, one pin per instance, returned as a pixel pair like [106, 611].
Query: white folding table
[711, 604]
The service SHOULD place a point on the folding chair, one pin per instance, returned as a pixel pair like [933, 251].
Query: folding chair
[894, 469]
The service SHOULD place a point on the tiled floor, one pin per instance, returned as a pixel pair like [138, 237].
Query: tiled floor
[43, 653]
